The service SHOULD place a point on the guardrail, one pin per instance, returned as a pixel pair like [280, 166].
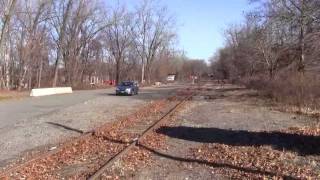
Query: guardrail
[50, 91]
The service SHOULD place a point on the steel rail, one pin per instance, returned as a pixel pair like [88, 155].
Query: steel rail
[153, 126]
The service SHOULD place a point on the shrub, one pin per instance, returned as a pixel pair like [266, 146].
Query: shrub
[301, 90]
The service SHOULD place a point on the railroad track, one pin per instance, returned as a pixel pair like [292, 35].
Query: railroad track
[142, 129]
[136, 141]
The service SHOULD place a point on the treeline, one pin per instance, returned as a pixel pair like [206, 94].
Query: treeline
[47, 43]
[276, 50]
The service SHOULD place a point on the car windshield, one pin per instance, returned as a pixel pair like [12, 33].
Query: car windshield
[126, 84]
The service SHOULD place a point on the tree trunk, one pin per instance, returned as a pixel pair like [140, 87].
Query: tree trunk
[117, 72]
[142, 73]
[271, 73]
[60, 42]
[55, 76]
[2, 84]
[7, 71]
[21, 80]
[301, 65]
[40, 74]
[148, 73]
[30, 81]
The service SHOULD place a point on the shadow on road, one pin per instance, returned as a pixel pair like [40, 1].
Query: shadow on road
[302, 144]
[147, 94]
[65, 127]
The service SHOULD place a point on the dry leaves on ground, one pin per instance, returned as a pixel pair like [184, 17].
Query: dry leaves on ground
[90, 149]
[259, 162]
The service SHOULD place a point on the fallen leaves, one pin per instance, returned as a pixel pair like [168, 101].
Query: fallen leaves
[154, 141]
[88, 151]
[311, 131]
[80, 150]
[136, 158]
[115, 130]
[259, 162]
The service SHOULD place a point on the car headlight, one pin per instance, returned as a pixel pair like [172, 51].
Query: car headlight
[128, 89]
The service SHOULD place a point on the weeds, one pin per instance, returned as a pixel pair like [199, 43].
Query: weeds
[300, 91]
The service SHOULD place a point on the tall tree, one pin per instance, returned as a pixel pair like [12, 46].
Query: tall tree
[118, 38]
[62, 12]
[7, 10]
[152, 30]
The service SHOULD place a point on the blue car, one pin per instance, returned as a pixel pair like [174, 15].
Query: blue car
[127, 88]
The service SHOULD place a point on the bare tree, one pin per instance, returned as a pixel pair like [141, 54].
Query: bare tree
[62, 12]
[296, 18]
[32, 43]
[152, 29]
[85, 25]
[65, 42]
[6, 16]
[118, 38]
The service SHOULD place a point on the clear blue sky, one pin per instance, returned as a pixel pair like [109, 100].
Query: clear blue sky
[201, 23]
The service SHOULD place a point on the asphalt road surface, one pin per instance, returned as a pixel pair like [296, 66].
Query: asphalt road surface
[30, 123]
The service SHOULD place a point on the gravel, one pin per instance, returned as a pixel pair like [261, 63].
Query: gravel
[227, 108]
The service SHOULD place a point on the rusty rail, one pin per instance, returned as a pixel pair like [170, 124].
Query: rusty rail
[153, 126]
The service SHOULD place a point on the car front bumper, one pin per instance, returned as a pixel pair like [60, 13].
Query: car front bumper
[124, 92]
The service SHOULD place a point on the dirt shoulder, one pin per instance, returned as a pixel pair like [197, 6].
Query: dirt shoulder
[6, 95]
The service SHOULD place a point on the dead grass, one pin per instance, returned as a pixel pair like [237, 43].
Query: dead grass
[260, 161]
[4, 98]
[299, 93]
[4, 95]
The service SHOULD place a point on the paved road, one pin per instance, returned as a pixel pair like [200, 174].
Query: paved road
[12, 112]
[29, 123]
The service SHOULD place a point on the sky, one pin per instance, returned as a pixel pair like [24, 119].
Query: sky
[201, 23]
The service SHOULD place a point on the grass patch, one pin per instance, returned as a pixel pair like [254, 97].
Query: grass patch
[4, 98]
